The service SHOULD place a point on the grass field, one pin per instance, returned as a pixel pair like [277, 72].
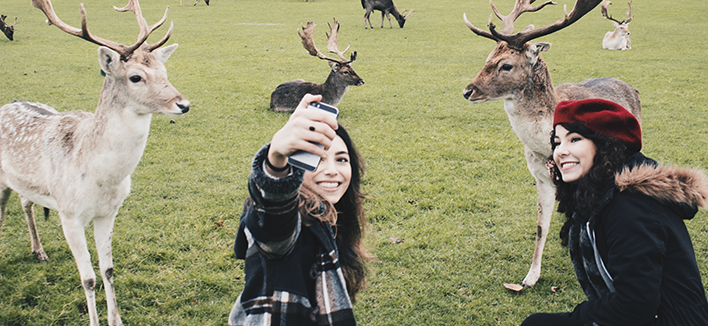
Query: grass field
[445, 175]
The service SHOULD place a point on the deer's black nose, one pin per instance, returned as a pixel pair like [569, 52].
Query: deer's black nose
[184, 108]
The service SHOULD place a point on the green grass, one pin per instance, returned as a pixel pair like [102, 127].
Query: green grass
[445, 175]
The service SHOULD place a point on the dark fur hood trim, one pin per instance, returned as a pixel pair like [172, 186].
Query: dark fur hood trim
[666, 183]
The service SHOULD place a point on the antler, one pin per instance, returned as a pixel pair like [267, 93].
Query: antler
[2, 20]
[309, 44]
[607, 3]
[518, 40]
[124, 51]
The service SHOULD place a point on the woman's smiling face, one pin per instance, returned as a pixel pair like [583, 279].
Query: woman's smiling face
[573, 154]
[333, 175]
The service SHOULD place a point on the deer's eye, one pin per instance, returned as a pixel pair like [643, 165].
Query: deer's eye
[135, 79]
[506, 67]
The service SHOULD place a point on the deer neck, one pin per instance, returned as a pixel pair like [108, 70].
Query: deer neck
[395, 13]
[333, 88]
[117, 134]
[531, 109]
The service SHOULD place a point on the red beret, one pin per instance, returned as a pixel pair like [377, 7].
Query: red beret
[603, 117]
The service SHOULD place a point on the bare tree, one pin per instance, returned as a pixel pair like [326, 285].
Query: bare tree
[286, 96]
[516, 73]
[386, 7]
[79, 163]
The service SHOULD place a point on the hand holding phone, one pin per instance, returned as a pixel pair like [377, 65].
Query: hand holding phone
[306, 160]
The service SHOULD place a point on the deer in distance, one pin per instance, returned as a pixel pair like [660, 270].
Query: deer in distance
[7, 30]
[195, 2]
[79, 163]
[286, 96]
[386, 7]
[619, 38]
[515, 73]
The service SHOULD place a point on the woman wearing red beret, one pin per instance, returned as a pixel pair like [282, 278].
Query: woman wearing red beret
[625, 231]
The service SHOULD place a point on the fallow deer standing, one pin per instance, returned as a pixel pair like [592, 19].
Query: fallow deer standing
[79, 163]
[7, 30]
[516, 73]
[286, 96]
[386, 7]
[619, 38]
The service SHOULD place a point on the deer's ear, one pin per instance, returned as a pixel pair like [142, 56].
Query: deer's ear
[108, 59]
[162, 54]
[333, 65]
[535, 49]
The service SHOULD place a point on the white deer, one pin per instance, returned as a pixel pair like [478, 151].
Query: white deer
[79, 163]
[619, 38]
[516, 73]
[286, 96]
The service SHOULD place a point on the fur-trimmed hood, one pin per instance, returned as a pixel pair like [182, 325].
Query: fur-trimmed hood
[666, 183]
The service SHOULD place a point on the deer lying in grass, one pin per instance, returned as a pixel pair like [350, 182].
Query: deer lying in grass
[619, 38]
[79, 163]
[7, 30]
[286, 96]
[386, 7]
[516, 73]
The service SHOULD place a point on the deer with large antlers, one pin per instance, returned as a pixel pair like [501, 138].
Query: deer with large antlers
[286, 96]
[516, 73]
[387, 8]
[619, 38]
[79, 163]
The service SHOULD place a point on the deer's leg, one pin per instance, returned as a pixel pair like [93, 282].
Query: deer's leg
[546, 202]
[103, 233]
[366, 19]
[4, 197]
[76, 238]
[37, 250]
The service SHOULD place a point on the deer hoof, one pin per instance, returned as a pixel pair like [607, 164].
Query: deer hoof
[41, 255]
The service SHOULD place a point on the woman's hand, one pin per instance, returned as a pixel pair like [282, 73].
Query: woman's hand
[304, 128]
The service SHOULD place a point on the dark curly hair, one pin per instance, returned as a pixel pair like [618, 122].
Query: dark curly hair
[349, 220]
[585, 196]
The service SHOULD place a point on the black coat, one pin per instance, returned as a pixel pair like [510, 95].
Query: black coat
[645, 248]
[292, 270]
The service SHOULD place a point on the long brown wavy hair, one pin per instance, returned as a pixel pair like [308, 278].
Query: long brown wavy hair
[347, 216]
[585, 196]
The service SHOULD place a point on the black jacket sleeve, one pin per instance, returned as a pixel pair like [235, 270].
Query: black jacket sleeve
[271, 219]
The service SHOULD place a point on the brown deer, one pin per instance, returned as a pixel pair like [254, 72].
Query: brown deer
[79, 163]
[386, 7]
[516, 73]
[619, 38]
[286, 96]
[7, 30]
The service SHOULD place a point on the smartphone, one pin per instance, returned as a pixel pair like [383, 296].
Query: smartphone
[306, 160]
